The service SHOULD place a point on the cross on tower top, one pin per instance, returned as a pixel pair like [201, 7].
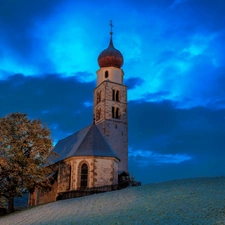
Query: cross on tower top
[111, 25]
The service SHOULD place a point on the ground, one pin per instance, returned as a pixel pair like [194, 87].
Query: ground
[187, 201]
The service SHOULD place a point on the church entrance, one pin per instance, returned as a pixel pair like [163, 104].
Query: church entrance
[84, 176]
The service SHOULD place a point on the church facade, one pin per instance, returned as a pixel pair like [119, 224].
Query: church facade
[97, 154]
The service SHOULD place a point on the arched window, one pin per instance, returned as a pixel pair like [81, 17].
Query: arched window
[98, 114]
[84, 176]
[115, 95]
[98, 97]
[106, 74]
[115, 112]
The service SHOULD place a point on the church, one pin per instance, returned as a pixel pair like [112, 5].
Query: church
[97, 155]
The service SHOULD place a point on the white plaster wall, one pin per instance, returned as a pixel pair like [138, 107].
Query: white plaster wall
[115, 75]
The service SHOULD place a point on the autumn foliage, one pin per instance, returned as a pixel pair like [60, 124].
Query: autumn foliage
[25, 153]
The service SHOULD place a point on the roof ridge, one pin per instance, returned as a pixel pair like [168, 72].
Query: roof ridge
[91, 125]
[104, 150]
[89, 141]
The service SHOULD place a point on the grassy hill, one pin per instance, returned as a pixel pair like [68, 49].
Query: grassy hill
[187, 201]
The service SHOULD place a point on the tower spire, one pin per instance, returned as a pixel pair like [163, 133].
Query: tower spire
[111, 25]
[111, 33]
[110, 56]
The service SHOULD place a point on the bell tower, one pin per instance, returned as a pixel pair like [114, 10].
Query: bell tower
[110, 102]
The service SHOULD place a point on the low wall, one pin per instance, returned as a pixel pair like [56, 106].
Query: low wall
[90, 191]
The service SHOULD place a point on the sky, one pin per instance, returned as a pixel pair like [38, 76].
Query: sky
[174, 65]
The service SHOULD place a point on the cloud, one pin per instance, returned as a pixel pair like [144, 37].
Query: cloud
[149, 157]
[177, 54]
[21, 52]
[18, 17]
[59, 101]
[175, 135]
[203, 14]
[151, 173]
[191, 72]
[133, 82]
[58, 37]
[161, 136]
[174, 68]
[156, 97]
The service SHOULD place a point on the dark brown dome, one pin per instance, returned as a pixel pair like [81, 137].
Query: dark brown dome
[110, 57]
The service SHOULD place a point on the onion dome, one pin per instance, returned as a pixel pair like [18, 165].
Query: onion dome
[110, 56]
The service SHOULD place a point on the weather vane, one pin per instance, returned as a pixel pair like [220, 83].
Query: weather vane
[111, 25]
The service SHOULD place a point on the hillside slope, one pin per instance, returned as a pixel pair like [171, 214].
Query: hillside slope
[187, 201]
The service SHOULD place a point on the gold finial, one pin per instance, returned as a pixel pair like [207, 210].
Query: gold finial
[111, 25]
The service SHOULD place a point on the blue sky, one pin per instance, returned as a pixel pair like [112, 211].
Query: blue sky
[174, 57]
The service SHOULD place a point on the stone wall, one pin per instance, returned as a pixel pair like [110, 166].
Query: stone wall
[64, 177]
[101, 171]
[44, 195]
[115, 130]
[117, 136]
[105, 172]
[69, 179]
[103, 100]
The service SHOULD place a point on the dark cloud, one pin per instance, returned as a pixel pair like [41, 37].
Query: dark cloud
[208, 87]
[64, 104]
[205, 15]
[56, 100]
[164, 129]
[156, 97]
[151, 173]
[17, 19]
[134, 82]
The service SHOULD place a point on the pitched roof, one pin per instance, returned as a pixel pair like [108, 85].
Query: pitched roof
[87, 142]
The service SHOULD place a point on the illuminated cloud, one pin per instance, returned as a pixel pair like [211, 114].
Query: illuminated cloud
[149, 157]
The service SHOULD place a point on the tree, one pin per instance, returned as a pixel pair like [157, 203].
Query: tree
[2, 202]
[25, 153]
